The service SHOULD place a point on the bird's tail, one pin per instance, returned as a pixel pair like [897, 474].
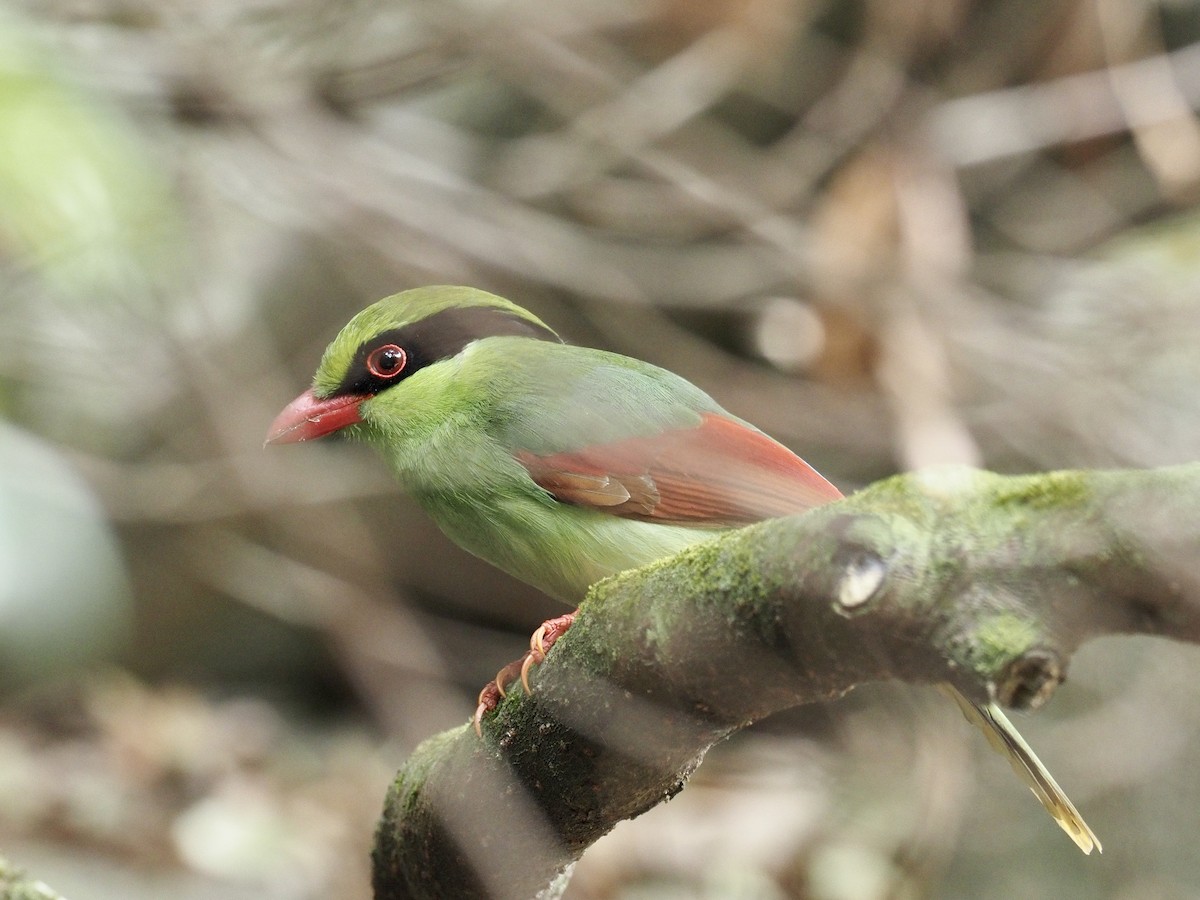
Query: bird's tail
[1006, 740]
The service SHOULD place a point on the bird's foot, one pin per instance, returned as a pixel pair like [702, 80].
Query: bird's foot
[539, 645]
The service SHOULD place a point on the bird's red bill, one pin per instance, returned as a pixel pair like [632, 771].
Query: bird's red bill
[719, 473]
[309, 417]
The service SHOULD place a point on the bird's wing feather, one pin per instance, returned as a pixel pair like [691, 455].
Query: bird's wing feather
[720, 472]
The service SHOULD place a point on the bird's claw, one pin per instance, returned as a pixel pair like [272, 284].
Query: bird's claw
[537, 641]
[535, 657]
[540, 643]
[494, 691]
[489, 699]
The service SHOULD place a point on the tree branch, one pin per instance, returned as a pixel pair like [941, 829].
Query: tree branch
[957, 575]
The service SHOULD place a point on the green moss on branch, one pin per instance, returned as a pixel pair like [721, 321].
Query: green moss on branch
[955, 575]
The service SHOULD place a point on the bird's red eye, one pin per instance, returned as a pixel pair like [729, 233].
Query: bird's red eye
[386, 361]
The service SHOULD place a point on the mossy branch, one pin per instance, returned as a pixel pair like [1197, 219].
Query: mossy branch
[15, 884]
[957, 575]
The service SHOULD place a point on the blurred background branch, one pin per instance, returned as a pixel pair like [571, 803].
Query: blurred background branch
[892, 235]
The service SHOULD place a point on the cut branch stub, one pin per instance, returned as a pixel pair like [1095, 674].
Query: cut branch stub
[1029, 680]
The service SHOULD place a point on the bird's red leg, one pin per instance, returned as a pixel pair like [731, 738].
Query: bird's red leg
[539, 645]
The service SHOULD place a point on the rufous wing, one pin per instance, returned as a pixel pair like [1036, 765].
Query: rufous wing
[720, 473]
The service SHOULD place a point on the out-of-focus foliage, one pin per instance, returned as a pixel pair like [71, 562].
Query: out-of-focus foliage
[80, 204]
[891, 234]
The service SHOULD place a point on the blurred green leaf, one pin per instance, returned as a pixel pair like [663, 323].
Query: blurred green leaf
[80, 200]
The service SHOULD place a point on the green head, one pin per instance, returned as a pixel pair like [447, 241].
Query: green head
[387, 343]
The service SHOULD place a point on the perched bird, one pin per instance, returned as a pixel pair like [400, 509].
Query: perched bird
[562, 465]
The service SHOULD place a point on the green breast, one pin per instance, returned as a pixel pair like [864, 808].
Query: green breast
[559, 549]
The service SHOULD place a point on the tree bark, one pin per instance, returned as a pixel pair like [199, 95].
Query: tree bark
[951, 575]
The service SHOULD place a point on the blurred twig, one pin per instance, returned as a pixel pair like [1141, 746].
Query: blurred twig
[987, 126]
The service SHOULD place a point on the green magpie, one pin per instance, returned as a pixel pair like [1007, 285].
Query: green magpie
[561, 464]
